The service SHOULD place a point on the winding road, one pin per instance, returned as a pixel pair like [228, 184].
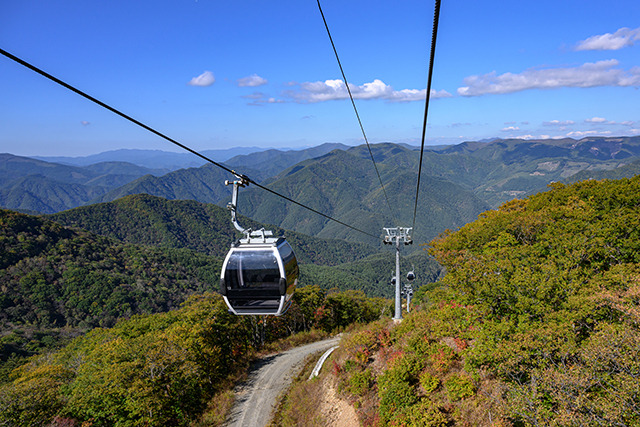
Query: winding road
[257, 396]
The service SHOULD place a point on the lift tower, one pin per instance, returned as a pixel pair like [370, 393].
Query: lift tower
[396, 235]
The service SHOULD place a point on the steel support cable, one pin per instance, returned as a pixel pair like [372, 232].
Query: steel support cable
[434, 34]
[173, 141]
[346, 83]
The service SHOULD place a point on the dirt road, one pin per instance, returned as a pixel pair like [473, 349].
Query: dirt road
[256, 397]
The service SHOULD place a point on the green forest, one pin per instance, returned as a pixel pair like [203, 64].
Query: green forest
[535, 322]
[165, 369]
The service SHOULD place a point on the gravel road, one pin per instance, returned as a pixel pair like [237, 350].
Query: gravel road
[268, 378]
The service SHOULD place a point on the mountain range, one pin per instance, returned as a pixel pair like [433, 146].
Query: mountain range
[152, 159]
[458, 182]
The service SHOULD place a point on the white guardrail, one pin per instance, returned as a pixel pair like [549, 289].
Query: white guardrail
[318, 366]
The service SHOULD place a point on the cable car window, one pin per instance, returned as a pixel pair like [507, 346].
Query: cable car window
[252, 269]
[288, 260]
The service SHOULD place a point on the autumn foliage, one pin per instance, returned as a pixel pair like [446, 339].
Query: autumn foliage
[536, 322]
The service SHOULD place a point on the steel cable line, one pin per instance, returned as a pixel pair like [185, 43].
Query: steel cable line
[346, 83]
[173, 141]
[434, 34]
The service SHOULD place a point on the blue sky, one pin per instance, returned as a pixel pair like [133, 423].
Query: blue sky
[216, 74]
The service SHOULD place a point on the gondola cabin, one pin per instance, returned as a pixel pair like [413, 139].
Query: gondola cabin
[259, 278]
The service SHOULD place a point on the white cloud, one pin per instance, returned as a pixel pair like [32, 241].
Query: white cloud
[510, 129]
[624, 37]
[596, 120]
[260, 98]
[580, 134]
[330, 90]
[558, 123]
[205, 79]
[601, 73]
[253, 80]
[603, 121]
[85, 123]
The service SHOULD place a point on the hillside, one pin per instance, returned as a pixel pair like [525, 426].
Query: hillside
[58, 281]
[53, 276]
[204, 184]
[535, 323]
[627, 171]
[167, 369]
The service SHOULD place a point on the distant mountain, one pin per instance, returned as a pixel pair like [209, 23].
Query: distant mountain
[518, 168]
[37, 186]
[344, 185]
[36, 193]
[206, 183]
[271, 162]
[517, 150]
[627, 171]
[153, 159]
[495, 171]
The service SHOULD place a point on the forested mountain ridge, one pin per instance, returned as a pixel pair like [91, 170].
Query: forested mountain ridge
[628, 170]
[206, 228]
[204, 184]
[495, 172]
[518, 150]
[13, 167]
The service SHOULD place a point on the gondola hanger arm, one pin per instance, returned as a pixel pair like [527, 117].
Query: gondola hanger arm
[249, 234]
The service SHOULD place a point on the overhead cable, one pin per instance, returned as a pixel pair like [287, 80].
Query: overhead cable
[434, 34]
[346, 83]
[173, 141]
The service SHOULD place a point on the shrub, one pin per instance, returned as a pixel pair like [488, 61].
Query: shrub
[459, 386]
[360, 382]
[395, 390]
[428, 382]
[425, 414]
